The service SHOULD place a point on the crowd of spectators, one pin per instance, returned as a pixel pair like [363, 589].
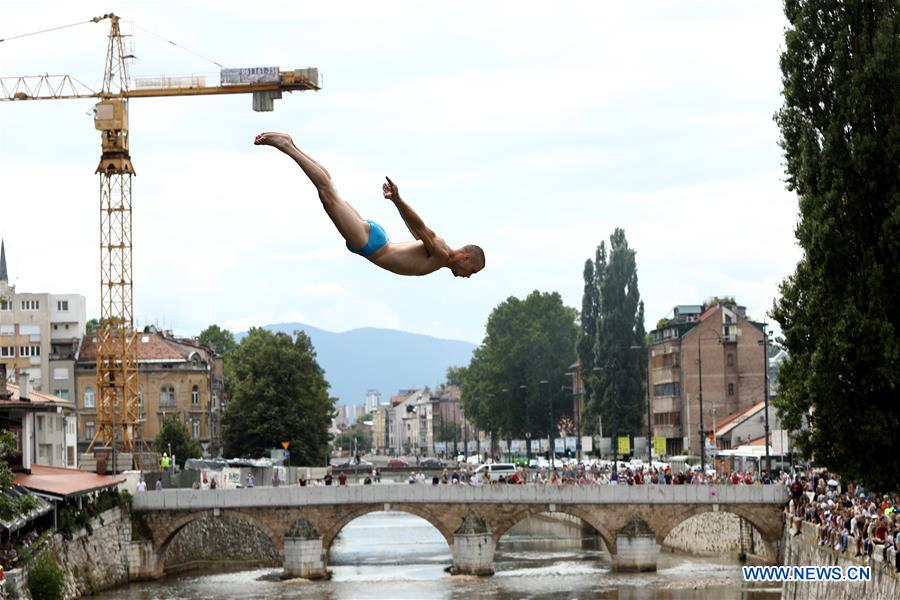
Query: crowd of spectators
[601, 473]
[849, 519]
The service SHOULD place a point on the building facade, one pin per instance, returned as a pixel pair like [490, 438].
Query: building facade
[44, 426]
[714, 348]
[176, 378]
[39, 335]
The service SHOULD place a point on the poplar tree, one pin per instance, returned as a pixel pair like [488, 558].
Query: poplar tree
[840, 132]
[619, 356]
[587, 333]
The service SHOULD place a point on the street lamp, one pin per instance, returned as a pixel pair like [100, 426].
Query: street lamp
[543, 383]
[524, 389]
[508, 393]
[649, 420]
[700, 377]
[765, 346]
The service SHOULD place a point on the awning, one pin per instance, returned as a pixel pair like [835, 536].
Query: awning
[20, 521]
[59, 482]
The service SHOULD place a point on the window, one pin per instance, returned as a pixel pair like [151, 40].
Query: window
[62, 305]
[89, 430]
[667, 389]
[731, 389]
[61, 393]
[667, 418]
[89, 398]
[141, 398]
[195, 395]
[7, 351]
[31, 305]
[7, 330]
[40, 423]
[195, 427]
[5, 304]
[60, 373]
[167, 395]
[730, 359]
[29, 351]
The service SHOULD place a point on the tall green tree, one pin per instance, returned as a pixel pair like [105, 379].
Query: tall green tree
[618, 373]
[220, 340]
[10, 505]
[526, 341]
[278, 393]
[840, 132]
[589, 318]
[175, 438]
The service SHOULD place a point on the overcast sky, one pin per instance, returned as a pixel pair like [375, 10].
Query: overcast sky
[532, 129]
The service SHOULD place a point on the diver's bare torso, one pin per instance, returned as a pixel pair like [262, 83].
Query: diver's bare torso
[407, 258]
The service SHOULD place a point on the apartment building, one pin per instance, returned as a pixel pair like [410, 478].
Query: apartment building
[39, 335]
[43, 425]
[175, 377]
[716, 349]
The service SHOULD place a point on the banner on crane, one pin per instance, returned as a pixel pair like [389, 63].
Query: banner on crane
[250, 75]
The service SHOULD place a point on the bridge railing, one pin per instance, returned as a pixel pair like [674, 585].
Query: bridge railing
[189, 499]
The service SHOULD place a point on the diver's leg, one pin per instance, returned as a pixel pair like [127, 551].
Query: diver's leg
[348, 221]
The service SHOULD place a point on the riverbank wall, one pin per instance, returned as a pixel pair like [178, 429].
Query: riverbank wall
[800, 547]
[715, 533]
[95, 559]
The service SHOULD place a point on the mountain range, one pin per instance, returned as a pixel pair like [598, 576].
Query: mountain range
[386, 360]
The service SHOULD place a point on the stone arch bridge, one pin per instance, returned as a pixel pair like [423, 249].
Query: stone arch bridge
[303, 522]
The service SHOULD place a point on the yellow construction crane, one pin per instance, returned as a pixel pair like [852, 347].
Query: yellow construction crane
[117, 408]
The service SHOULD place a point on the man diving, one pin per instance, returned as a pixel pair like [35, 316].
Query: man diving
[426, 254]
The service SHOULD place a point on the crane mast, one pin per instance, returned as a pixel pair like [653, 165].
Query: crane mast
[118, 412]
[117, 406]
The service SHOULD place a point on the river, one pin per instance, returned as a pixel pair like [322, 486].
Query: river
[396, 555]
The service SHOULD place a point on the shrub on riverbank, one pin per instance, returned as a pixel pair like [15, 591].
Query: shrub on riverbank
[46, 579]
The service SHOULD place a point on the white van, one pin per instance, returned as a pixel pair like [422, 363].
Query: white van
[492, 472]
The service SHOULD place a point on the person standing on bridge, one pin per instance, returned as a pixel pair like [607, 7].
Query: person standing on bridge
[426, 254]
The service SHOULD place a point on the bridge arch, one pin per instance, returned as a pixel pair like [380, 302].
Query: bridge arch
[499, 528]
[760, 523]
[330, 532]
[165, 537]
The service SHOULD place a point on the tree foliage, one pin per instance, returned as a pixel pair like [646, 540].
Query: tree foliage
[220, 340]
[278, 393]
[175, 438]
[840, 132]
[614, 360]
[11, 504]
[526, 341]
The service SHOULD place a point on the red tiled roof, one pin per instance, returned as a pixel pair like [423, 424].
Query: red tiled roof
[150, 346]
[759, 441]
[400, 399]
[35, 398]
[59, 481]
[722, 425]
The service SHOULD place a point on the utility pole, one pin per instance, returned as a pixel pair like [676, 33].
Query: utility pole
[700, 376]
[551, 438]
[765, 344]
[524, 389]
[508, 393]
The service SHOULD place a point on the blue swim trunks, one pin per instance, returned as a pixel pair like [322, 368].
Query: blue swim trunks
[377, 240]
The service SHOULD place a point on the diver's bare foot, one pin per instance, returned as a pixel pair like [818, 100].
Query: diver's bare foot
[282, 141]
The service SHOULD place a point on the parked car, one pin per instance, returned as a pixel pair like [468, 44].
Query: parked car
[397, 463]
[431, 463]
[494, 471]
